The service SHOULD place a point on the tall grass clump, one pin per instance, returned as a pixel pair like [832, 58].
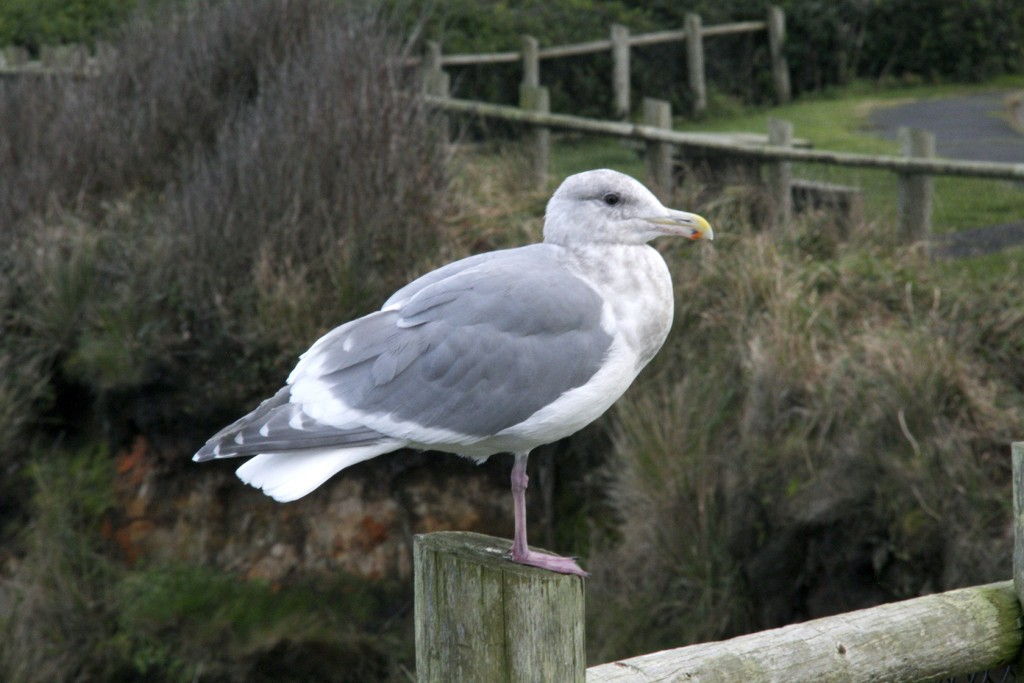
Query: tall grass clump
[242, 177]
[827, 428]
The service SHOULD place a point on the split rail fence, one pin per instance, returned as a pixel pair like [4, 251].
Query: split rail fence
[619, 43]
[776, 152]
[480, 617]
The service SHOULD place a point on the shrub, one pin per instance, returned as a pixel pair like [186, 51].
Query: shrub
[819, 434]
[245, 176]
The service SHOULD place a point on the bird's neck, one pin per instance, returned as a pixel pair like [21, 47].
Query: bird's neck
[635, 283]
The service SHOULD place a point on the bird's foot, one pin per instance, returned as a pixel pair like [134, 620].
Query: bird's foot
[554, 563]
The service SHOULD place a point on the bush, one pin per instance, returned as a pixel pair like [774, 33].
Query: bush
[33, 23]
[821, 433]
[244, 177]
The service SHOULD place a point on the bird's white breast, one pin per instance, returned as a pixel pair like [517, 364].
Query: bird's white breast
[635, 285]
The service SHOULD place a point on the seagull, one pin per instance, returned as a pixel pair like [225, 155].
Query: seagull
[499, 352]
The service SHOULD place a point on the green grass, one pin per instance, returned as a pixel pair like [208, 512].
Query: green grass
[838, 120]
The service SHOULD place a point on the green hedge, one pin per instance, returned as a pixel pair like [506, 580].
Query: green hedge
[33, 23]
[828, 43]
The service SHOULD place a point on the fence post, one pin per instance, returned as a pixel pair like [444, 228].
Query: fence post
[14, 55]
[658, 114]
[695, 62]
[776, 44]
[915, 195]
[531, 61]
[1017, 457]
[780, 174]
[432, 70]
[535, 98]
[620, 69]
[436, 82]
[479, 617]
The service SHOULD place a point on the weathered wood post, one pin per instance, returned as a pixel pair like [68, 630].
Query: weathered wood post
[620, 69]
[658, 114]
[780, 175]
[776, 45]
[432, 71]
[14, 55]
[695, 62]
[436, 82]
[915, 189]
[531, 61]
[480, 617]
[1017, 459]
[535, 98]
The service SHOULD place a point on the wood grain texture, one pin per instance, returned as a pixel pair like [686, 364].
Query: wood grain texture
[480, 617]
[936, 636]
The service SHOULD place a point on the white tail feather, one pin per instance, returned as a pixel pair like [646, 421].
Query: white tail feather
[288, 476]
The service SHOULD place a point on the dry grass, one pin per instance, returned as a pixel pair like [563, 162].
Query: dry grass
[822, 432]
[246, 176]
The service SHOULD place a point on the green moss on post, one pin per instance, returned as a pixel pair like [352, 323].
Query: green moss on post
[1017, 459]
[479, 617]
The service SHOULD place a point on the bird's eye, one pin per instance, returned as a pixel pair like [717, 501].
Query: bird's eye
[611, 199]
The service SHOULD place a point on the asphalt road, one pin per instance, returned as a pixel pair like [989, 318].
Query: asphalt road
[965, 127]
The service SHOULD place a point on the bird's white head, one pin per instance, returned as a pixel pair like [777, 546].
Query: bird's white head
[611, 207]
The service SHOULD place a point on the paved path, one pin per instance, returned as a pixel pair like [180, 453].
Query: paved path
[965, 127]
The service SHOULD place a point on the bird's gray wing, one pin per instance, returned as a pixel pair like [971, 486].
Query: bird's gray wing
[278, 425]
[454, 268]
[462, 357]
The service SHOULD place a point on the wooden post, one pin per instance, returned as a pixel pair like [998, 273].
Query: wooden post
[479, 617]
[531, 61]
[620, 69]
[432, 70]
[14, 55]
[1017, 458]
[658, 114]
[535, 98]
[776, 45]
[915, 192]
[780, 175]
[437, 82]
[695, 62]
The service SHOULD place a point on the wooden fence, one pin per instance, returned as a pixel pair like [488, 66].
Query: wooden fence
[620, 43]
[775, 152]
[74, 60]
[481, 618]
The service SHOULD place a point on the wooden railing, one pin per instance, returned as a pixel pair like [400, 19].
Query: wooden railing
[914, 170]
[620, 42]
[480, 617]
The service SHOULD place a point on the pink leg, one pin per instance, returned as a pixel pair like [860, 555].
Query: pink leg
[521, 552]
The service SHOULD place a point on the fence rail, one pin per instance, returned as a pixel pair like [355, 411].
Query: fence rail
[636, 131]
[947, 634]
[590, 47]
[480, 617]
[914, 170]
